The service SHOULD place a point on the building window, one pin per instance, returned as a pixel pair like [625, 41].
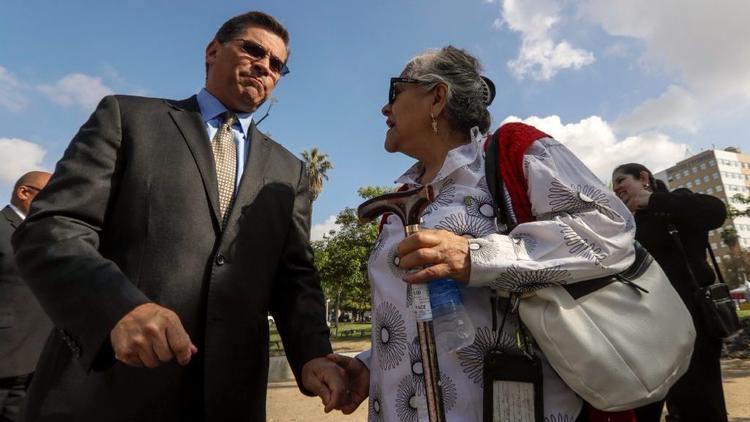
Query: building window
[686, 173]
[709, 191]
[715, 176]
[712, 163]
[689, 185]
[677, 175]
[719, 189]
[703, 166]
[695, 170]
[705, 178]
[697, 182]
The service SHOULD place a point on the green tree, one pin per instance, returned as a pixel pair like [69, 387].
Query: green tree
[317, 168]
[341, 258]
[734, 212]
[739, 260]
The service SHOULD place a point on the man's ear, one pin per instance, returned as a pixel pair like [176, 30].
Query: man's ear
[439, 99]
[212, 50]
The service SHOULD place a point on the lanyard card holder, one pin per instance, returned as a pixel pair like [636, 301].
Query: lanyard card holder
[512, 383]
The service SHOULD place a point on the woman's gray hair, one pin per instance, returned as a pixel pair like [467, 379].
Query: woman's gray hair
[468, 94]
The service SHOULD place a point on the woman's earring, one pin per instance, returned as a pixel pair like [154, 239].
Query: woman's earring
[434, 123]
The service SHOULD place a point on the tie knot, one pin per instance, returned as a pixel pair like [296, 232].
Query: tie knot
[229, 119]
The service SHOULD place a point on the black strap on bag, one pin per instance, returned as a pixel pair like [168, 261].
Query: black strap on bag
[714, 302]
[512, 383]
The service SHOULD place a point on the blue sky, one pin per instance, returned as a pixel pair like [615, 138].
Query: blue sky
[615, 81]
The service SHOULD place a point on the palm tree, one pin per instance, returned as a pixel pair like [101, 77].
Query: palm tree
[317, 166]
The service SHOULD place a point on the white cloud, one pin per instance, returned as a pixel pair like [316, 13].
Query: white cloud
[77, 89]
[541, 56]
[595, 143]
[318, 230]
[676, 107]
[19, 157]
[11, 92]
[701, 43]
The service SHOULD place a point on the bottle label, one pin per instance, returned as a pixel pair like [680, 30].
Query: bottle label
[421, 300]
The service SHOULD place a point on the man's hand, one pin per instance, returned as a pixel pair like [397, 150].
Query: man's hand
[150, 335]
[439, 254]
[326, 380]
[359, 380]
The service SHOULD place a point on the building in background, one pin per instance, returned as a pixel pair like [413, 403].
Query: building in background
[723, 174]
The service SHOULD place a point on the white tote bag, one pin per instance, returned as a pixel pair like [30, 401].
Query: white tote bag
[617, 347]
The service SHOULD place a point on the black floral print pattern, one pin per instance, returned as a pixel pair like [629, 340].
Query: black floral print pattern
[579, 198]
[472, 357]
[375, 404]
[389, 331]
[444, 197]
[467, 225]
[393, 261]
[559, 418]
[519, 281]
[578, 246]
[407, 401]
[479, 207]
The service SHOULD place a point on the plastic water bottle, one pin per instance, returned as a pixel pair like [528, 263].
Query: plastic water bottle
[453, 327]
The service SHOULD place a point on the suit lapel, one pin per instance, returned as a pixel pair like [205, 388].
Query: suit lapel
[11, 216]
[186, 115]
[253, 176]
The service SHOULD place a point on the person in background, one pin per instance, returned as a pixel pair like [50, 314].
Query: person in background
[23, 325]
[698, 396]
[436, 113]
[168, 232]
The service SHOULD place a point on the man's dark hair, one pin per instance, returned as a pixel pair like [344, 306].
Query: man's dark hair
[235, 26]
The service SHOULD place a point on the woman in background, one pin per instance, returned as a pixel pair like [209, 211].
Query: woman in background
[698, 396]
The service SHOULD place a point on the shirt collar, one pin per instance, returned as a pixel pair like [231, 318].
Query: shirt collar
[18, 211]
[457, 157]
[212, 108]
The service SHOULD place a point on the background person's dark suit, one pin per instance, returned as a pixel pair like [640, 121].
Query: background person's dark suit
[131, 215]
[23, 325]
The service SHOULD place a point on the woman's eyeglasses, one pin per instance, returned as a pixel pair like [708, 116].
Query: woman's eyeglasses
[393, 91]
[258, 52]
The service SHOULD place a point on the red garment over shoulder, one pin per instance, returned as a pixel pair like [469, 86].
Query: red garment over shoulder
[513, 140]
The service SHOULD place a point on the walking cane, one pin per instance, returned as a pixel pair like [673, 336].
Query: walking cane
[408, 206]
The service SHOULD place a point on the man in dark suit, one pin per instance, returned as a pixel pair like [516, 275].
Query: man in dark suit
[168, 232]
[23, 325]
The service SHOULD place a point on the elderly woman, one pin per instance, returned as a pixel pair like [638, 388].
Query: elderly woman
[436, 111]
[698, 395]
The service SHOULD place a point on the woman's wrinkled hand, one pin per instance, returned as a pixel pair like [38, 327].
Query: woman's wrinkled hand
[435, 254]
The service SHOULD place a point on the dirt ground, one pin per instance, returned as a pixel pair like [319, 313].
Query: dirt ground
[287, 404]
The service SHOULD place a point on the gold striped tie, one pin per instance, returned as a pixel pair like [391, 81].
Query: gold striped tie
[225, 157]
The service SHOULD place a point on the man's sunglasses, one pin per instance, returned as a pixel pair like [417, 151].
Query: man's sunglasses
[392, 92]
[259, 52]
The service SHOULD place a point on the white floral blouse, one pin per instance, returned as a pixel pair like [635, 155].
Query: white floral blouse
[582, 231]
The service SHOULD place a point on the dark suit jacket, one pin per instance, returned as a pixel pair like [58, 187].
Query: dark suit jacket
[23, 325]
[131, 215]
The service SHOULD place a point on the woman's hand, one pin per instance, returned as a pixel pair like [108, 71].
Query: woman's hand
[435, 254]
[358, 377]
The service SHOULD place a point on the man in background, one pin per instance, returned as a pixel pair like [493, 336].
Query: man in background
[23, 325]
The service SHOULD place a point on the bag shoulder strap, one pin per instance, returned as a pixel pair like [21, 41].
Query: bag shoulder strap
[716, 265]
[672, 229]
